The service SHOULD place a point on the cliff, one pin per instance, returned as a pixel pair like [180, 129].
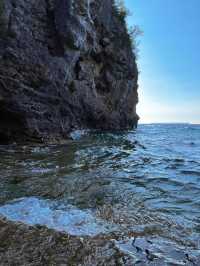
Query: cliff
[64, 65]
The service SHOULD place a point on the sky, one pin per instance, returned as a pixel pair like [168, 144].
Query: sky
[169, 59]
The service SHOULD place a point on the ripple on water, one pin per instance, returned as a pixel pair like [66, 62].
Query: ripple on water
[157, 251]
[190, 172]
[131, 178]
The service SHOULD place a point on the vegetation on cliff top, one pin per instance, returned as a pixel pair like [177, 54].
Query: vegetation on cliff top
[133, 31]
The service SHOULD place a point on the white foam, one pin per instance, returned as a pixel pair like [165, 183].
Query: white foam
[34, 211]
[78, 134]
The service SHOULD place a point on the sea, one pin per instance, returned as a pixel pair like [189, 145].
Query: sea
[142, 184]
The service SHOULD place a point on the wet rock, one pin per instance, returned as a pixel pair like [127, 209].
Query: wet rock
[155, 252]
[64, 65]
[23, 245]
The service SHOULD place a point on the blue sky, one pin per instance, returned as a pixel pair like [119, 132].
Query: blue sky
[169, 59]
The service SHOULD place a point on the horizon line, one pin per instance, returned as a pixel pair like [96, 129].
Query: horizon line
[183, 123]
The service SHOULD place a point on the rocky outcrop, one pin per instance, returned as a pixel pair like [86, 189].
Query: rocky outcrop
[64, 65]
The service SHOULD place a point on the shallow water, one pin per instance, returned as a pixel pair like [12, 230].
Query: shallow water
[143, 183]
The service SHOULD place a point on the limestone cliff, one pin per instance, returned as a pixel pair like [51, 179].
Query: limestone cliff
[64, 65]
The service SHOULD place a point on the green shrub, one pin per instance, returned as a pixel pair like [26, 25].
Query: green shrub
[134, 31]
[121, 11]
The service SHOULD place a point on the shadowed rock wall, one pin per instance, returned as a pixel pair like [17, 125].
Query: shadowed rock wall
[64, 65]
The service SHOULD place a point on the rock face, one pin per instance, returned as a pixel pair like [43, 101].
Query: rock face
[64, 65]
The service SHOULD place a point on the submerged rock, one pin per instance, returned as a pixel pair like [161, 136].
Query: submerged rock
[38, 246]
[61, 217]
[64, 65]
[25, 245]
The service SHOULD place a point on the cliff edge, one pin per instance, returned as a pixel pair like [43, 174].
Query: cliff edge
[64, 65]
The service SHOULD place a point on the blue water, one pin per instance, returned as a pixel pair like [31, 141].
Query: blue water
[144, 182]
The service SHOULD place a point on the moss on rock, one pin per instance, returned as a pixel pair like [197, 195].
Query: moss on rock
[2, 19]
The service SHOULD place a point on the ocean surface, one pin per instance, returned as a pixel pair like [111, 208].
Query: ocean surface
[143, 185]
